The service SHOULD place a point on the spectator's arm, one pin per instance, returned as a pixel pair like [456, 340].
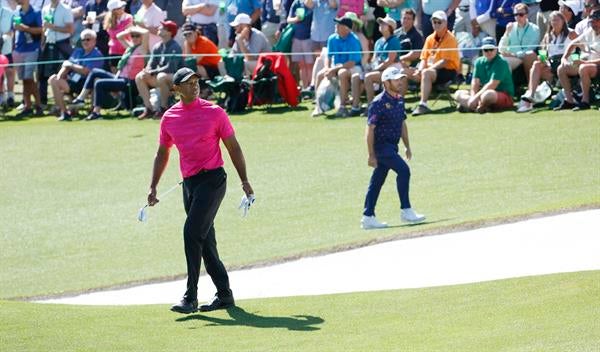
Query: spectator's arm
[453, 5]
[68, 27]
[78, 12]
[491, 85]
[256, 15]
[504, 43]
[82, 70]
[475, 86]
[410, 56]
[204, 9]
[31, 30]
[333, 4]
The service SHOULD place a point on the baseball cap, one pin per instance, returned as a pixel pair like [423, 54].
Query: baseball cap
[241, 18]
[440, 15]
[170, 26]
[183, 74]
[387, 20]
[188, 28]
[354, 17]
[115, 4]
[574, 5]
[392, 73]
[344, 21]
[488, 43]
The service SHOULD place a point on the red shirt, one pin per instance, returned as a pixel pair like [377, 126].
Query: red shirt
[195, 129]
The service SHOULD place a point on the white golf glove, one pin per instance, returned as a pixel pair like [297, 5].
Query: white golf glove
[246, 203]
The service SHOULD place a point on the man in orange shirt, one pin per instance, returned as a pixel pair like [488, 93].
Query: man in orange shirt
[439, 60]
[203, 50]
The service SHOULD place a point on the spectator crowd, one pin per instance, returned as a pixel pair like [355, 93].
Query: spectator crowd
[94, 52]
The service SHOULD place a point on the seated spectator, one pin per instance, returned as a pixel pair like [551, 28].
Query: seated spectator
[102, 83]
[492, 86]
[28, 29]
[439, 60]
[520, 40]
[410, 32]
[249, 41]
[343, 60]
[165, 60]
[301, 17]
[559, 36]
[72, 74]
[386, 55]
[204, 15]
[115, 22]
[150, 16]
[204, 50]
[588, 7]
[571, 9]
[587, 66]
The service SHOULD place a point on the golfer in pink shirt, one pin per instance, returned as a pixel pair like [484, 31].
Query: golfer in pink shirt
[196, 127]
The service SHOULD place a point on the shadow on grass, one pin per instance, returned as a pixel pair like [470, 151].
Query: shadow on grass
[420, 223]
[239, 317]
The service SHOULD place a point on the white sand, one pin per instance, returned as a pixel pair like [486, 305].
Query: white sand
[562, 243]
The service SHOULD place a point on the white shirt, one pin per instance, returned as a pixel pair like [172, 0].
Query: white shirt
[200, 18]
[6, 15]
[582, 25]
[592, 40]
[152, 17]
[62, 16]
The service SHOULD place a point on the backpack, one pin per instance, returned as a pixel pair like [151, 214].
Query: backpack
[264, 87]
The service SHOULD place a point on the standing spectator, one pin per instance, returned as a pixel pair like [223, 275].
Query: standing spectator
[115, 22]
[386, 55]
[571, 9]
[585, 66]
[72, 74]
[164, 62]
[56, 45]
[203, 14]
[174, 10]
[492, 86]
[463, 17]
[206, 58]
[395, 8]
[28, 27]
[150, 16]
[270, 19]
[252, 8]
[556, 40]
[7, 10]
[481, 14]
[249, 41]
[589, 6]
[95, 12]
[102, 83]
[133, 6]
[323, 25]
[543, 16]
[302, 48]
[386, 126]
[429, 7]
[519, 42]
[439, 60]
[504, 15]
[343, 60]
[78, 9]
[355, 6]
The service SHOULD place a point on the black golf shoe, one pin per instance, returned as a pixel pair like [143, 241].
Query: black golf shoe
[185, 307]
[217, 303]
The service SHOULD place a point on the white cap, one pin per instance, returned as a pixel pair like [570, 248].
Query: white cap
[574, 5]
[392, 73]
[440, 15]
[241, 18]
[115, 4]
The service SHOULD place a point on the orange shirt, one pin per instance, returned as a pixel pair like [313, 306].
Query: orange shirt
[430, 51]
[204, 46]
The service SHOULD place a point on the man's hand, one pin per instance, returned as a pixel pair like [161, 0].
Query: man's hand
[472, 103]
[152, 200]
[21, 27]
[245, 33]
[247, 188]
[408, 154]
[372, 162]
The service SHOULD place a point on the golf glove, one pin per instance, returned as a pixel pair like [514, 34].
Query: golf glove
[246, 203]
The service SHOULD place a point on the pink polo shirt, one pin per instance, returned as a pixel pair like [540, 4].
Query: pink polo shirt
[196, 130]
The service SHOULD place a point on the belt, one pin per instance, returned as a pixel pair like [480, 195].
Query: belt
[464, 8]
[204, 172]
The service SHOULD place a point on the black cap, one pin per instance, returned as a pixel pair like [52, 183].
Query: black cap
[189, 27]
[345, 21]
[595, 15]
[183, 74]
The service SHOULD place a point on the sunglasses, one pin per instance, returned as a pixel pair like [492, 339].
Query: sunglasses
[436, 22]
[135, 36]
[488, 50]
[520, 14]
[187, 34]
[86, 39]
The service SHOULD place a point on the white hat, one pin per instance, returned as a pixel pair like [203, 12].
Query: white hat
[241, 18]
[392, 73]
[387, 20]
[574, 5]
[440, 15]
[115, 4]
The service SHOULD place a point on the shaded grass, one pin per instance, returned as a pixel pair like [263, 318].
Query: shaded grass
[71, 191]
[546, 313]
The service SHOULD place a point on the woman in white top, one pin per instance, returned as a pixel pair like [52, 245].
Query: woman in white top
[555, 41]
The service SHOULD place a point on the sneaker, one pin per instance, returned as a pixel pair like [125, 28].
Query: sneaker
[217, 303]
[481, 109]
[77, 103]
[421, 110]
[342, 112]
[147, 114]
[371, 222]
[317, 111]
[10, 102]
[39, 111]
[409, 215]
[65, 116]
[185, 307]
[93, 116]
[565, 105]
[24, 113]
[525, 108]
[582, 106]
[355, 112]
[527, 97]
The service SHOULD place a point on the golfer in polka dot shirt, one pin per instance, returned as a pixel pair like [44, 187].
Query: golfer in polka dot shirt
[385, 127]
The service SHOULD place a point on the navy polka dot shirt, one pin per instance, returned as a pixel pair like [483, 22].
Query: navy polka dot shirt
[387, 114]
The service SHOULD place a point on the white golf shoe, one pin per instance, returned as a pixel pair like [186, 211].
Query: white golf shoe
[371, 222]
[409, 215]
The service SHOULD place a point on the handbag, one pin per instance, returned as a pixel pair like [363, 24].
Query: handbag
[284, 44]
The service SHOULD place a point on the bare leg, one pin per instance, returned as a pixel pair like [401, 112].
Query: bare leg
[356, 90]
[344, 77]
[142, 80]
[428, 77]
[164, 86]
[586, 72]
[564, 72]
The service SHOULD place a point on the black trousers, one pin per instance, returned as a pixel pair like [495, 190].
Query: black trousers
[60, 50]
[202, 196]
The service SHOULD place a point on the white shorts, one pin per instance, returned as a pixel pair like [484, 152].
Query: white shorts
[305, 48]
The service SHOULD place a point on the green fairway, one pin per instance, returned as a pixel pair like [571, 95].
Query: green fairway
[70, 191]
[547, 313]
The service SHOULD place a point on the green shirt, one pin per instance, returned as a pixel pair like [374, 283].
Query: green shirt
[497, 69]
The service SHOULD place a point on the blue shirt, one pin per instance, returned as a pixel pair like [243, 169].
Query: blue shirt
[396, 12]
[322, 24]
[387, 114]
[80, 58]
[268, 13]
[341, 50]
[383, 47]
[243, 6]
[302, 28]
[31, 18]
